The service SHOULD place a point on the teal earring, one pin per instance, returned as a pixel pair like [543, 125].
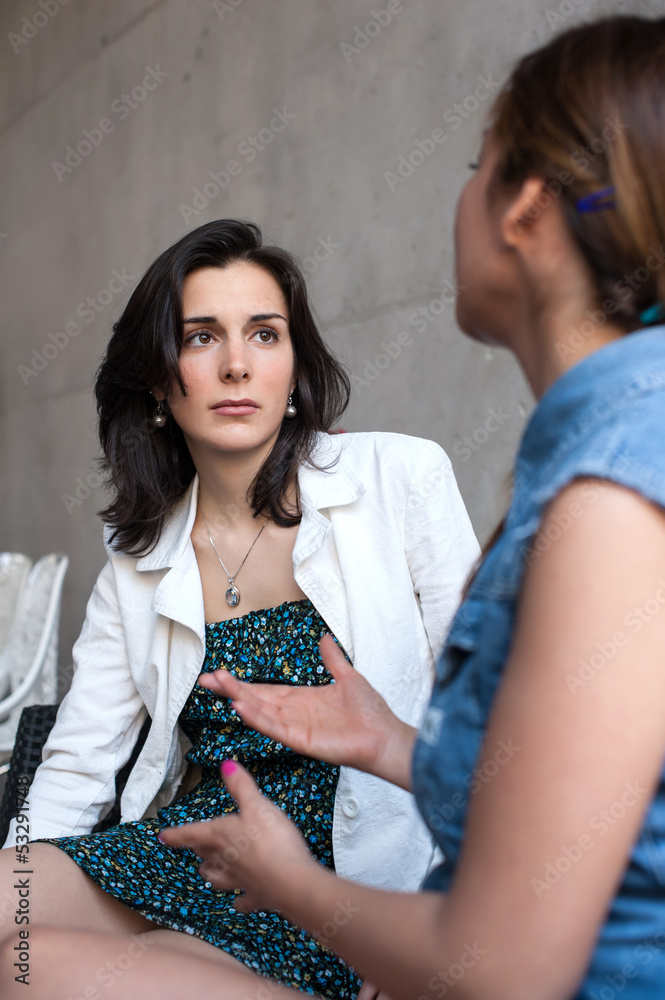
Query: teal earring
[654, 314]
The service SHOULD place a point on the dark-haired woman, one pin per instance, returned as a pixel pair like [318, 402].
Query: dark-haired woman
[540, 764]
[240, 533]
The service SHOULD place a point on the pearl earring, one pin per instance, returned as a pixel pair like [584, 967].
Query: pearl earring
[291, 410]
[159, 418]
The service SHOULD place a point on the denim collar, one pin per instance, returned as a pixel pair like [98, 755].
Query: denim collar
[588, 394]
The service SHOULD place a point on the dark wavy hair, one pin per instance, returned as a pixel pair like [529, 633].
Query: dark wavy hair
[149, 468]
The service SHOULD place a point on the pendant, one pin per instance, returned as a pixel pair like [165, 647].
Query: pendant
[232, 596]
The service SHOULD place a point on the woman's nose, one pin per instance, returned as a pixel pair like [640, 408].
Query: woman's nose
[235, 364]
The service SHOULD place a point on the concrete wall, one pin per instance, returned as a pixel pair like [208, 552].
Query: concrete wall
[180, 89]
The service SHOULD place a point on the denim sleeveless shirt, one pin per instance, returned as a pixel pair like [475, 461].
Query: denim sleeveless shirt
[604, 418]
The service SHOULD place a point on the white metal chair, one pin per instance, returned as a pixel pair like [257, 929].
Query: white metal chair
[14, 569]
[30, 658]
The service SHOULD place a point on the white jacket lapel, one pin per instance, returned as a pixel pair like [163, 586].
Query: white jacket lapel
[179, 594]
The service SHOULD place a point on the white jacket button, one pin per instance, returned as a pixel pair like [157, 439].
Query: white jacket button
[350, 807]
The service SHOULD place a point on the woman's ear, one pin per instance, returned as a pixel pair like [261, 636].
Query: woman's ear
[530, 204]
[158, 395]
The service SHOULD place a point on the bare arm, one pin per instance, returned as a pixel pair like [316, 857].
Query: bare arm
[582, 752]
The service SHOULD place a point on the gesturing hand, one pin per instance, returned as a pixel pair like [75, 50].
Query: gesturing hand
[257, 849]
[347, 722]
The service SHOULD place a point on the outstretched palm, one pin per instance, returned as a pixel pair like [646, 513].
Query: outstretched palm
[347, 722]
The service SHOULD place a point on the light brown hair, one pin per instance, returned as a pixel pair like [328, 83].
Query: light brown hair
[587, 112]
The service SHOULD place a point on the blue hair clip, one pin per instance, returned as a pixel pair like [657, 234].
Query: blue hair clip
[654, 314]
[597, 201]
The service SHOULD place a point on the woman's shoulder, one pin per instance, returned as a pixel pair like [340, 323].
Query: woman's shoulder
[383, 445]
[366, 459]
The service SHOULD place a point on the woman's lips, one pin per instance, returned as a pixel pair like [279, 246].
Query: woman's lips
[236, 407]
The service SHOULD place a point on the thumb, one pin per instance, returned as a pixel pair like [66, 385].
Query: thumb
[334, 659]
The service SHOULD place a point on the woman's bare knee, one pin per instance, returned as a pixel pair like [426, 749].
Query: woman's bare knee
[189, 944]
[106, 967]
[51, 890]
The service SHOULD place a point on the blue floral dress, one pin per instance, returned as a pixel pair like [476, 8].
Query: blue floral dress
[163, 884]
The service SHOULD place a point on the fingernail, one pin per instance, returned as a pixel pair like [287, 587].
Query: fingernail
[160, 839]
[228, 767]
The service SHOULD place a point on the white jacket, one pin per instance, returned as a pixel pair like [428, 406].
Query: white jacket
[382, 551]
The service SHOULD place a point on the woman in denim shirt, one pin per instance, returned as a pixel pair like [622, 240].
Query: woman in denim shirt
[542, 751]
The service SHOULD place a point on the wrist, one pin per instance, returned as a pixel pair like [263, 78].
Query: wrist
[393, 763]
[303, 892]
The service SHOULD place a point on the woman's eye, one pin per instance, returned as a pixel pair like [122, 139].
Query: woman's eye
[201, 336]
[266, 336]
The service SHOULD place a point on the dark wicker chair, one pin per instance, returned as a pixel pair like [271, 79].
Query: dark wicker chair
[34, 726]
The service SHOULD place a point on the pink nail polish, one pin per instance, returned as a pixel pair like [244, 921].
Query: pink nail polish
[228, 767]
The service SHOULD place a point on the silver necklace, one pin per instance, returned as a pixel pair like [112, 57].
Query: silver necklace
[232, 594]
